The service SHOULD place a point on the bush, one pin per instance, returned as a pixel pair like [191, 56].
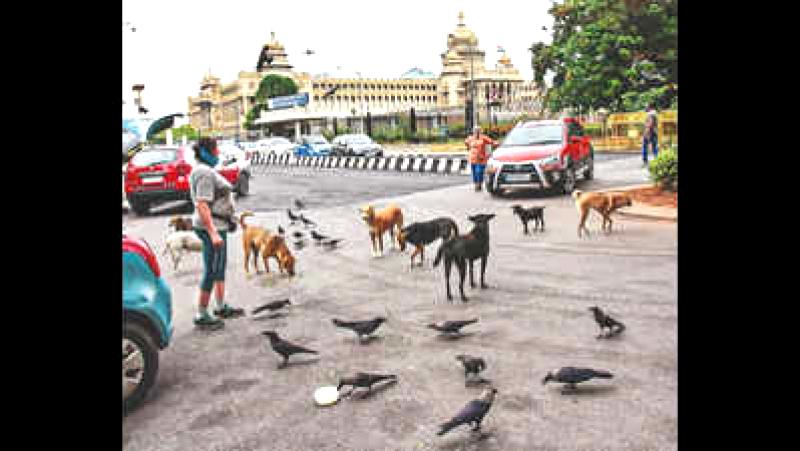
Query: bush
[457, 130]
[328, 134]
[664, 169]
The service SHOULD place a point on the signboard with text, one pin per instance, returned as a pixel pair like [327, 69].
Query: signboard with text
[276, 103]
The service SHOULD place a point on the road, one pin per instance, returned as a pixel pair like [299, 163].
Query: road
[222, 391]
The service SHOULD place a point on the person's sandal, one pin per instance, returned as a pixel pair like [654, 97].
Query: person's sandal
[207, 322]
[228, 312]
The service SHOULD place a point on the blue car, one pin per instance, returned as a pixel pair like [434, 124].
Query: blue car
[146, 320]
[313, 146]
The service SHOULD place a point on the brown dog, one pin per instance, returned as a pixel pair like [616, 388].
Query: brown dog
[603, 203]
[180, 223]
[275, 246]
[258, 240]
[381, 221]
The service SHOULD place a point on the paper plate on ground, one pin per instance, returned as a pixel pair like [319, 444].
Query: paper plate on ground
[326, 396]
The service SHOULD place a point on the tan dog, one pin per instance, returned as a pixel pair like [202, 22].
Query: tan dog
[180, 223]
[253, 239]
[179, 243]
[603, 203]
[275, 246]
[381, 221]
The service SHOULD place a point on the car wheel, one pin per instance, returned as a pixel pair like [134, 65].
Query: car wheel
[139, 207]
[139, 364]
[243, 187]
[588, 174]
[568, 184]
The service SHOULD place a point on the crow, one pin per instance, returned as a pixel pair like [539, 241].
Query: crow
[361, 328]
[318, 237]
[306, 221]
[331, 243]
[366, 380]
[298, 204]
[292, 217]
[285, 348]
[297, 234]
[299, 245]
[606, 322]
[472, 413]
[281, 231]
[570, 376]
[272, 306]
[472, 365]
[451, 327]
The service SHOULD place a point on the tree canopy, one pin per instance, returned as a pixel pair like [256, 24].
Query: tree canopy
[614, 54]
[270, 86]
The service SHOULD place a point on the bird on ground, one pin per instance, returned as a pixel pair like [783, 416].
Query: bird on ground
[306, 222]
[297, 234]
[571, 376]
[299, 245]
[472, 365]
[364, 380]
[272, 306]
[606, 322]
[317, 236]
[292, 217]
[285, 348]
[361, 328]
[281, 231]
[330, 244]
[451, 327]
[299, 204]
[472, 413]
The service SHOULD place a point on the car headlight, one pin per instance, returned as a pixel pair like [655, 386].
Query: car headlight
[550, 163]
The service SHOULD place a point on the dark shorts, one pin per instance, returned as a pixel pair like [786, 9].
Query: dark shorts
[214, 259]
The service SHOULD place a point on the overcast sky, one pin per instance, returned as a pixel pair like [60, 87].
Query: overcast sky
[177, 41]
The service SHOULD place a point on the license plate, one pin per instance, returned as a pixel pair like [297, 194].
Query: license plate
[518, 177]
[156, 179]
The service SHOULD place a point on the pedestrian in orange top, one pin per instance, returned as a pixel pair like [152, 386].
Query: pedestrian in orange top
[476, 143]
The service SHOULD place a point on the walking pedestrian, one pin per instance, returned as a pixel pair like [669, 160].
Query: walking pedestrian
[476, 143]
[650, 135]
[211, 195]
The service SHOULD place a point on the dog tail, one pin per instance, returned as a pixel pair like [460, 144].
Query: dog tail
[242, 216]
[576, 194]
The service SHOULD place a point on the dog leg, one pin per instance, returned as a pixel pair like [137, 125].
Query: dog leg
[421, 255]
[471, 278]
[525, 224]
[462, 267]
[246, 259]
[582, 222]
[447, 265]
[484, 259]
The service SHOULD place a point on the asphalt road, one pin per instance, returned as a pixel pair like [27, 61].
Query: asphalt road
[223, 391]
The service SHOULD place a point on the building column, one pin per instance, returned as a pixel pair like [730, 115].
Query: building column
[297, 131]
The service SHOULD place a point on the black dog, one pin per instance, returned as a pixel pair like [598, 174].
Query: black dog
[527, 214]
[465, 249]
[421, 234]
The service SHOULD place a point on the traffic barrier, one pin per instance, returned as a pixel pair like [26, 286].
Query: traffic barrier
[404, 163]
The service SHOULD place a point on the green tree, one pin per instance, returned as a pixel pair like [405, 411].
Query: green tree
[275, 86]
[614, 54]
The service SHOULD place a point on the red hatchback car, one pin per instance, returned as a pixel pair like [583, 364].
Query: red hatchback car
[161, 174]
[542, 154]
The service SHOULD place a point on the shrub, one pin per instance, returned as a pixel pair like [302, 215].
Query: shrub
[328, 134]
[664, 169]
[457, 130]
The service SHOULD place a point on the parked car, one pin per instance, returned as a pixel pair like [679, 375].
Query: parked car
[543, 154]
[313, 146]
[159, 174]
[279, 145]
[234, 165]
[146, 319]
[358, 145]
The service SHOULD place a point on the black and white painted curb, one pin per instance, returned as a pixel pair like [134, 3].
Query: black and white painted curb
[412, 163]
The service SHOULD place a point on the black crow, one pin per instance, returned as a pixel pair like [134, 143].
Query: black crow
[472, 365]
[292, 217]
[331, 243]
[451, 327]
[306, 222]
[281, 231]
[570, 376]
[285, 348]
[298, 204]
[272, 306]
[297, 234]
[318, 237]
[472, 413]
[606, 322]
[365, 380]
[361, 328]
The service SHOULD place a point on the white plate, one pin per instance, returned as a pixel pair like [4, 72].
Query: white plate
[518, 177]
[326, 396]
[156, 179]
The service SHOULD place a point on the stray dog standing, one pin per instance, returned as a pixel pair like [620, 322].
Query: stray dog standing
[465, 249]
[379, 222]
[603, 203]
[181, 242]
[257, 240]
[527, 214]
[421, 234]
[275, 246]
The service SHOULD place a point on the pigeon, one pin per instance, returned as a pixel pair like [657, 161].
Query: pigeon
[281, 231]
[292, 217]
[330, 244]
[451, 327]
[272, 306]
[297, 234]
[298, 204]
[285, 348]
[606, 322]
[364, 380]
[307, 222]
[571, 376]
[318, 237]
[472, 365]
[472, 413]
[361, 328]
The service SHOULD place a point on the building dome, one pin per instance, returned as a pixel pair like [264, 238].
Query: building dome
[273, 44]
[462, 34]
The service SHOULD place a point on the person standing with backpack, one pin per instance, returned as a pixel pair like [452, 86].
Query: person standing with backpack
[650, 135]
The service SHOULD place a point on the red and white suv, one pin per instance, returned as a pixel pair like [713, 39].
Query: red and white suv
[160, 174]
[541, 154]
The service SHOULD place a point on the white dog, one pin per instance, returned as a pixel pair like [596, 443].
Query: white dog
[181, 242]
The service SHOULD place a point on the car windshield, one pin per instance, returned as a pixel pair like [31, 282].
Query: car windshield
[532, 135]
[153, 157]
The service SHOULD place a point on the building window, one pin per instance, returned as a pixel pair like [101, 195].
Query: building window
[392, 98]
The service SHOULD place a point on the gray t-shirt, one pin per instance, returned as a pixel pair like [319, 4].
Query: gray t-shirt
[210, 186]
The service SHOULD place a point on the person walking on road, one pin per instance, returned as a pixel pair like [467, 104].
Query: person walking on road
[476, 143]
[211, 195]
[650, 135]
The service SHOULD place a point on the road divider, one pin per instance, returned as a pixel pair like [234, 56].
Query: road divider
[434, 164]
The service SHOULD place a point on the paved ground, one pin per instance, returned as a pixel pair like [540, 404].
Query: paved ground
[222, 391]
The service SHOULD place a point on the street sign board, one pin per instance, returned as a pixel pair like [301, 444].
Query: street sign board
[288, 101]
